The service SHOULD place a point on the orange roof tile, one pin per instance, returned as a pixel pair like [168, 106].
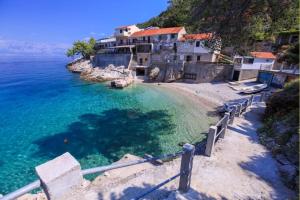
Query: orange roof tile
[159, 31]
[198, 36]
[257, 54]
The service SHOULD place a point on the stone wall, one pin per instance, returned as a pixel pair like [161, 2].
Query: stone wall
[193, 72]
[207, 72]
[248, 74]
[103, 60]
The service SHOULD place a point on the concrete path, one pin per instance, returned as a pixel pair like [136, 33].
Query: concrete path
[240, 167]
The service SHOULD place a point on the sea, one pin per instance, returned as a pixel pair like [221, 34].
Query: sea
[45, 111]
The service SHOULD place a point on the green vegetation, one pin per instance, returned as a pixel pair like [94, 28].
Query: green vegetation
[290, 55]
[239, 23]
[83, 48]
[280, 131]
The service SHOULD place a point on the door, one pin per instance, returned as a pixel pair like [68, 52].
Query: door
[236, 75]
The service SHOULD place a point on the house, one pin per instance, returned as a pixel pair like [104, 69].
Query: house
[123, 33]
[150, 43]
[105, 43]
[247, 67]
[196, 48]
[287, 37]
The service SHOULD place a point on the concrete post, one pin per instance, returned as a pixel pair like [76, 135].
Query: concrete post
[233, 113]
[224, 124]
[60, 177]
[239, 109]
[251, 100]
[262, 96]
[210, 143]
[186, 167]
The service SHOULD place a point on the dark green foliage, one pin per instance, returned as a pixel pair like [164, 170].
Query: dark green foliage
[83, 48]
[280, 131]
[239, 22]
[284, 101]
[291, 55]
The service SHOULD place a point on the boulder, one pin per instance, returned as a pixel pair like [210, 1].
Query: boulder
[154, 73]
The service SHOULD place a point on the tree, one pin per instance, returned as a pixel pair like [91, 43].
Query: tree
[83, 48]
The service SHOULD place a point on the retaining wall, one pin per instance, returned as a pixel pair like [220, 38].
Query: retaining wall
[207, 72]
[103, 60]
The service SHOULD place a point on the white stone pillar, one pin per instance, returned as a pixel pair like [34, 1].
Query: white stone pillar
[60, 177]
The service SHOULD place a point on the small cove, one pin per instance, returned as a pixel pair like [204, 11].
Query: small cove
[46, 111]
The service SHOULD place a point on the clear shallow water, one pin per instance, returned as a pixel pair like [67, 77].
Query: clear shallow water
[46, 110]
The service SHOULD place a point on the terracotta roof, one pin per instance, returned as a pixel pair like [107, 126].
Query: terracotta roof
[257, 54]
[198, 36]
[159, 31]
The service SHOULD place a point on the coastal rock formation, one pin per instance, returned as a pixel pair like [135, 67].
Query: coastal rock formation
[107, 74]
[89, 72]
[80, 66]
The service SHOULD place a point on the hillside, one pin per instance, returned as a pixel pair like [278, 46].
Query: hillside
[239, 23]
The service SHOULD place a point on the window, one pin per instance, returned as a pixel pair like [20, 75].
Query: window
[121, 31]
[175, 57]
[238, 61]
[146, 59]
[198, 44]
[198, 58]
[248, 60]
[188, 58]
[144, 39]
[173, 36]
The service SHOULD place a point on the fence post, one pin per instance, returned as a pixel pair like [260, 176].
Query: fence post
[60, 177]
[262, 96]
[239, 109]
[210, 143]
[251, 100]
[186, 167]
[224, 124]
[233, 112]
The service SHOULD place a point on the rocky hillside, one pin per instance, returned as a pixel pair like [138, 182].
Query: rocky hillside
[239, 23]
[280, 132]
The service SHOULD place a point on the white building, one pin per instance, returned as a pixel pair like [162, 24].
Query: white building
[123, 32]
[246, 67]
[194, 48]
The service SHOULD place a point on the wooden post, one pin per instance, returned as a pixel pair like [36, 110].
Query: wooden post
[224, 124]
[210, 143]
[233, 112]
[251, 100]
[186, 167]
[262, 96]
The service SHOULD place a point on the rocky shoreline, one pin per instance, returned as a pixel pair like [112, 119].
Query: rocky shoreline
[88, 71]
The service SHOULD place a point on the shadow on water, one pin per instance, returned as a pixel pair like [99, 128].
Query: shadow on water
[112, 134]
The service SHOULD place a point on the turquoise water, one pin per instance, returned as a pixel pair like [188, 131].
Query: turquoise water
[46, 111]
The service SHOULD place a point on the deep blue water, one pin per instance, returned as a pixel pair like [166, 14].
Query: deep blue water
[46, 110]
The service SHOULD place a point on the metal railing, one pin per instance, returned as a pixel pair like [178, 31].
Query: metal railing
[219, 130]
[37, 184]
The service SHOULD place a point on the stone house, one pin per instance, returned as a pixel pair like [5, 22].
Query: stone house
[247, 67]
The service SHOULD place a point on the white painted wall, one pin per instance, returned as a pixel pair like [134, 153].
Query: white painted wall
[257, 63]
